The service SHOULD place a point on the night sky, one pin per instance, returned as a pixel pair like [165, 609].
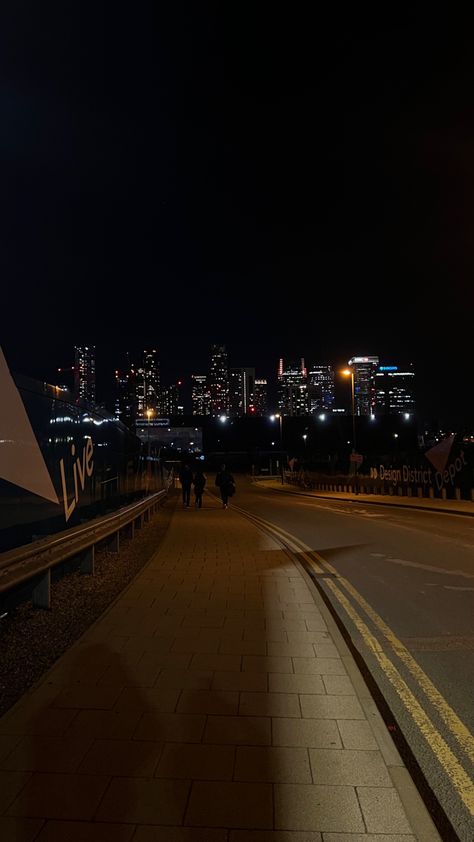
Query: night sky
[285, 184]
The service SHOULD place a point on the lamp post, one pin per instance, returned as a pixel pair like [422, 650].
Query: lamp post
[280, 419]
[350, 372]
[149, 414]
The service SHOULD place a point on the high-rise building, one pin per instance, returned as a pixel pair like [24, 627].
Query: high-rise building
[320, 388]
[84, 373]
[147, 384]
[292, 388]
[241, 389]
[394, 390]
[219, 381]
[172, 400]
[260, 398]
[364, 383]
[125, 398]
[200, 397]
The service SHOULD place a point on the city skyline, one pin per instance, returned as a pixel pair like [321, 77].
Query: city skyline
[236, 209]
[222, 388]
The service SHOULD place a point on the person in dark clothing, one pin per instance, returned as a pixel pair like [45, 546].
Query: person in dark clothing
[186, 478]
[225, 481]
[199, 483]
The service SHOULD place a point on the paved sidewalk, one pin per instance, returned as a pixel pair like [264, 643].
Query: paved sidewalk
[215, 701]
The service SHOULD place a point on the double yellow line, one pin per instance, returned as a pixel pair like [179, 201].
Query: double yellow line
[461, 781]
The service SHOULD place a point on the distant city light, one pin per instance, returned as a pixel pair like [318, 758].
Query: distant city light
[322, 417]
[223, 418]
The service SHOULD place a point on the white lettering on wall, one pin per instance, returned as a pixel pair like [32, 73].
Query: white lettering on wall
[82, 466]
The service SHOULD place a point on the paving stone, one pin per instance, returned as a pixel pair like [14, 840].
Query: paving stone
[338, 685]
[55, 831]
[320, 666]
[47, 754]
[290, 683]
[254, 663]
[274, 836]
[109, 724]
[196, 762]
[238, 730]
[278, 764]
[179, 834]
[20, 830]
[318, 733]
[233, 804]
[208, 701]
[331, 707]
[269, 704]
[56, 796]
[239, 681]
[11, 784]
[185, 679]
[364, 837]
[357, 734]
[348, 767]
[304, 807]
[383, 811]
[163, 700]
[144, 801]
[121, 757]
[170, 727]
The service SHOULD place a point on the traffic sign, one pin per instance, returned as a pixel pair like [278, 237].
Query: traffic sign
[356, 457]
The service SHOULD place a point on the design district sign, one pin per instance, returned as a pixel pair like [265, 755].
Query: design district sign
[445, 470]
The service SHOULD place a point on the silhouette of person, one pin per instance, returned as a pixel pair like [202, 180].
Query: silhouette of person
[199, 483]
[186, 478]
[225, 481]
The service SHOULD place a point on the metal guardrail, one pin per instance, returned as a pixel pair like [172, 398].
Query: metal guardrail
[36, 560]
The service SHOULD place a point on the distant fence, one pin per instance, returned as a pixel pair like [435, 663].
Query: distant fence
[367, 484]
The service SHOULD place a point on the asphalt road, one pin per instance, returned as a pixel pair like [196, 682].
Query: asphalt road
[415, 570]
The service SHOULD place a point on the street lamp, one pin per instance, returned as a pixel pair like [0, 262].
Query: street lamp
[280, 419]
[349, 372]
[149, 415]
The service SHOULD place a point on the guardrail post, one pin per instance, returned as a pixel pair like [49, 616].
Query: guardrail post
[138, 522]
[409, 491]
[472, 495]
[443, 494]
[431, 493]
[419, 492]
[457, 493]
[42, 591]
[114, 543]
[130, 529]
[88, 561]
[147, 515]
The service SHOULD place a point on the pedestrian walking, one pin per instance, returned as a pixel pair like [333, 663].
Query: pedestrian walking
[199, 483]
[225, 481]
[186, 478]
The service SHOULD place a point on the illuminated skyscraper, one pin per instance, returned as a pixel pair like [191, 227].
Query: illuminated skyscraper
[394, 390]
[292, 388]
[241, 389]
[364, 383]
[260, 397]
[147, 379]
[219, 381]
[125, 398]
[172, 400]
[201, 398]
[320, 388]
[84, 373]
